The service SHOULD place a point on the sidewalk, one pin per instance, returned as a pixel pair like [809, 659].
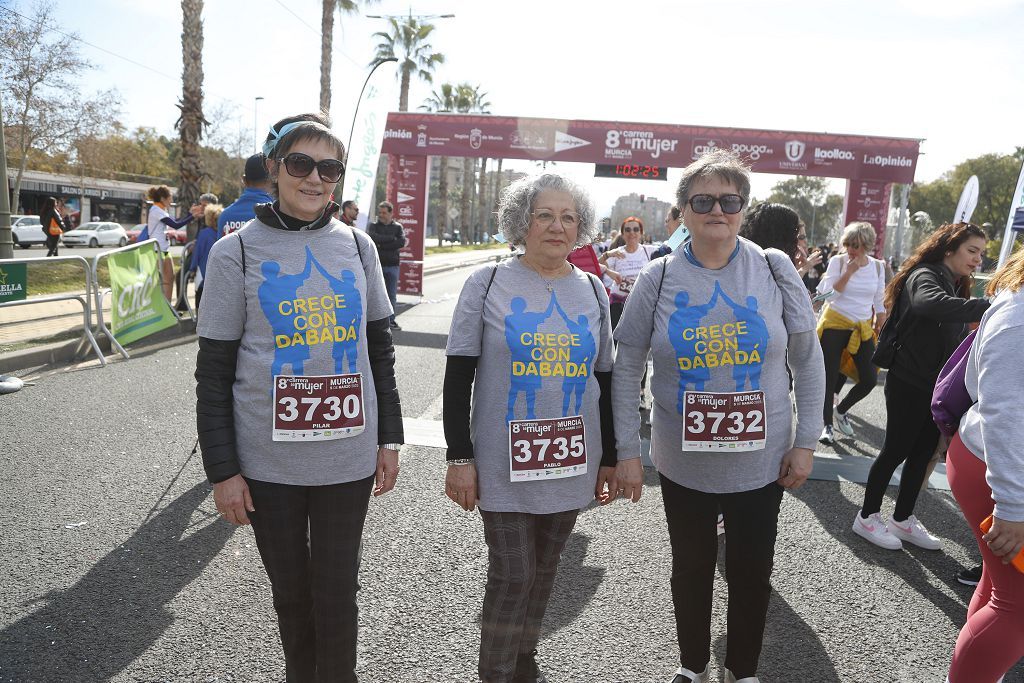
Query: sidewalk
[20, 324]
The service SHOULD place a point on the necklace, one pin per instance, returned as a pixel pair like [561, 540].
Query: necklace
[548, 283]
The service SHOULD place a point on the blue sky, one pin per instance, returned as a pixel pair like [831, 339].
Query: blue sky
[933, 69]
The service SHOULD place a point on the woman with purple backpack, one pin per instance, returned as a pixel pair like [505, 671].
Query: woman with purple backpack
[930, 305]
[985, 466]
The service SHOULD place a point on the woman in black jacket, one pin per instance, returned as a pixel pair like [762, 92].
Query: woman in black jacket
[53, 225]
[930, 305]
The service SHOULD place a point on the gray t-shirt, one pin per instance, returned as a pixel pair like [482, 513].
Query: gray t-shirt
[720, 331]
[300, 309]
[538, 353]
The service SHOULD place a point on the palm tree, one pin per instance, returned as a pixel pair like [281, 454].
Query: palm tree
[442, 100]
[470, 100]
[326, 42]
[191, 122]
[408, 37]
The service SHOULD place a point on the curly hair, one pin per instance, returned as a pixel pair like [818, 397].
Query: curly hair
[773, 226]
[945, 240]
[516, 207]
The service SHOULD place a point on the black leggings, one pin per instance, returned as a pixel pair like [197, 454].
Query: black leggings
[751, 522]
[832, 344]
[52, 242]
[910, 435]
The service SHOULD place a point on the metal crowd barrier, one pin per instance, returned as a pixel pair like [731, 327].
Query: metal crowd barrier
[90, 287]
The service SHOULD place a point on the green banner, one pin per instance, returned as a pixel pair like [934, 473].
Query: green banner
[138, 308]
[13, 282]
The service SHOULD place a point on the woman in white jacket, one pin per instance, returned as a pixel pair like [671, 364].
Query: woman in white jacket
[985, 466]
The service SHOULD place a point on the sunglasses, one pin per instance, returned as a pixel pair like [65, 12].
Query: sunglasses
[704, 203]
[630, 228]
[301, 165]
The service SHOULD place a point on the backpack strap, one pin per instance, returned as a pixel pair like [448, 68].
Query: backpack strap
[593, 285]
[241, 245]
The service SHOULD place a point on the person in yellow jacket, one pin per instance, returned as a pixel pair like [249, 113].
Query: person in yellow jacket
[854, 314]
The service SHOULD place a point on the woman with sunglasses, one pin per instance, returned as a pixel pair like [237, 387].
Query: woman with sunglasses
[298, 410]
[535, 329]
[625, 263]
[720, 317]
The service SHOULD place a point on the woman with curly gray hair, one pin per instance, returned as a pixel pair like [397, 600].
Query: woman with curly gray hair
[534, 329]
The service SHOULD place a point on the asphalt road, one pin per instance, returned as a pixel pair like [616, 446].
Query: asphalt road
[116, 567]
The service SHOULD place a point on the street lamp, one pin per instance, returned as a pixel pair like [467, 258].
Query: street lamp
[255, 124]
[355, 117]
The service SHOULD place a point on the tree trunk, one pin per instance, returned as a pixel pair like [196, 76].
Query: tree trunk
[403, 97]
[481, 204]
[465, 219]
[191, 121]
[442, 200]
[326, 39]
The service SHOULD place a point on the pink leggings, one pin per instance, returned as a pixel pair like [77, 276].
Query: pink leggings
[992, 640]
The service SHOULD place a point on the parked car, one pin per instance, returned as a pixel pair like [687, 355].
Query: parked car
[26, 231]
[95, 234]
[179, 236]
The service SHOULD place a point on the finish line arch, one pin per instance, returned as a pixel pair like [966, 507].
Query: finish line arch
[870, 164]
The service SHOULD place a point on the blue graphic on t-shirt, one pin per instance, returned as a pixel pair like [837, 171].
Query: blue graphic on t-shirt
[582, 353]
[346, 346]
[520, 326]
[276, 288]
[688, 317]
[754, 343]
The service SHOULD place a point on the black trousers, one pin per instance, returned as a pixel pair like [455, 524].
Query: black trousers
[52, 243]
[309, 538]
[832, 344]
[751, 525]
[911, 436]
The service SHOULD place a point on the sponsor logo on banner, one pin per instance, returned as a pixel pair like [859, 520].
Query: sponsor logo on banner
[421, 136]
[564, 141]
[475, 138]
[887, 160]
[752, 152]
[398, 134]
[825, 157]
[795, 150]
[403, 197]
[13, 282]
[620, 144]
[533, 139]
[702, 146]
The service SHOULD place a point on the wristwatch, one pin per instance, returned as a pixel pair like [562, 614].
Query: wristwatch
[391, 446]
[460, 461]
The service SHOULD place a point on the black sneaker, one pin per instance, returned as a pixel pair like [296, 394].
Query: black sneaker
[969, 577]
[527, 670]
[395, 326]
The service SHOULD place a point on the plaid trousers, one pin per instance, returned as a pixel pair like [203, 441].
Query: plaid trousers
[523, 553]
[310, 540]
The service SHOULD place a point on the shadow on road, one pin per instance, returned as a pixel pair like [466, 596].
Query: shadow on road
[422, 340]
[575, 585]
[92, 630]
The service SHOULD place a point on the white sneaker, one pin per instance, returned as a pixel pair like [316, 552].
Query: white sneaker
[684, 675]
[827, 437]
[875, 530]
[843, 422]
[730, 678]
[912, 531]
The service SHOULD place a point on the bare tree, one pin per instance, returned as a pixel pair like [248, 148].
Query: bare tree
[191, 122]
[38, 70]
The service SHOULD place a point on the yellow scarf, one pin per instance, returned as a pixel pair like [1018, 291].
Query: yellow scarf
[834, 320]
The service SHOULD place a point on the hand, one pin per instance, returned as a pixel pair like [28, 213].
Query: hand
[879, 321]
[614, 276]
[460, 485]
[796, 467]
[853, 265]
[814, 259]
[232, 499]
[387, 471]
[607, 485]
[1005, 539]
[196, 210]
[615, 253]
[629, 474]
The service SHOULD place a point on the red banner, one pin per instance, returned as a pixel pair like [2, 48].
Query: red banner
[407, 185]
[612, 142]
[869, 201]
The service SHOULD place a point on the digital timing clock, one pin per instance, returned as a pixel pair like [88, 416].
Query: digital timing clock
[638, 171]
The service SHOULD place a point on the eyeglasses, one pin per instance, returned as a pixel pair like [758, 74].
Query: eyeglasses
[704, 203]
[630, 228]
[545, 218]
[301, 165]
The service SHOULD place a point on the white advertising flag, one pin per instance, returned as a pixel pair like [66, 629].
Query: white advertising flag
[1015, 221]
[367, 137]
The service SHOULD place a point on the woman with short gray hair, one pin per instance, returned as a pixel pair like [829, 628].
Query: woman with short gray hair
[534, 329]
[855, 313]
[721, 317]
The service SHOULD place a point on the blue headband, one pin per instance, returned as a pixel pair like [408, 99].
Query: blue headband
[269, 145]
